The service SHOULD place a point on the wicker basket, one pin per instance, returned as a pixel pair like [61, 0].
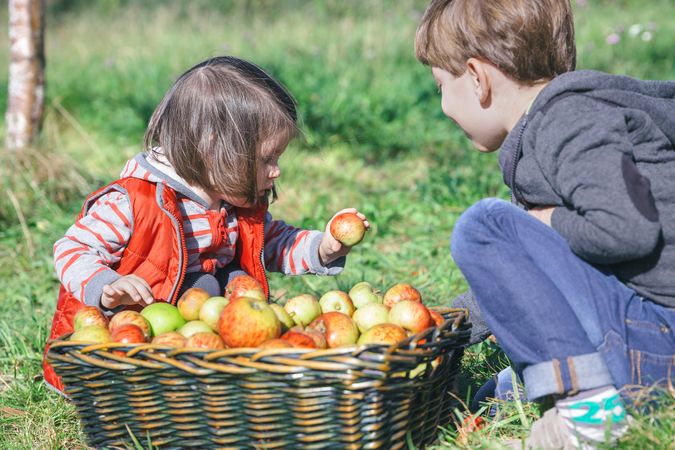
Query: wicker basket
[359, 397]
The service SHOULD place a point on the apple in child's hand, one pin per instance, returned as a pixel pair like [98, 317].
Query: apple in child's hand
[383, 333]
[132, 317]
[87, 316]
[363, 293]
[303, 309]
[162, 317]
[194, 326]
[336, 301]
[399, 292]
[170, 339]
[370, 315]
[282, 315]
[411, 315]
[205, 340]
[128, 334]
[248, 322]
[191, 302]
[211, 309]
[338, 328]
[347, 228]
[244, 286]
[92, 334]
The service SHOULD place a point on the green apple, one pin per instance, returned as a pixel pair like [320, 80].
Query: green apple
[363, 293]
[282, 315]
[194, 326]
[163, 317]
[211, 309]
[303, 309]
[91, 334]
[370, 315]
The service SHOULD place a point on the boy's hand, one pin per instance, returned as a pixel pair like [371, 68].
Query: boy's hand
[128, 290]
[330, 249]
[542, 213]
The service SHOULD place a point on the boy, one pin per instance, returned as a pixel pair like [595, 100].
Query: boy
[577, 278]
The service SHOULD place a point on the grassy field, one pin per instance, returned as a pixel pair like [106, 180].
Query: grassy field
[373, 137]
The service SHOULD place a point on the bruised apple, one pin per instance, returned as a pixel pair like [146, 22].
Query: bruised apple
[129, 316]
[399, 292]
[87, 316]
[370, 315]
[170, 339]
[248, 322]
[411, 315]
[336, 301]
[303, 309]
[91, 334]
[319, 339]
[363, 293]
[211, 309]
[162, 317]
[191, 302]
[383, 333]
[338, 328]
[205, 340]
[194, 326]
[128, 333]
[285, 320]
[347, 228]
[244, 286]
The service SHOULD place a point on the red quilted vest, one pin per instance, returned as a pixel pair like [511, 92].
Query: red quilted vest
[156, 250]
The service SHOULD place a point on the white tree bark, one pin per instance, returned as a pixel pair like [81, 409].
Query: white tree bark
[25, 100]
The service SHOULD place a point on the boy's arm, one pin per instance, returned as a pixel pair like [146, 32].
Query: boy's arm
[609, 214]
[82, 258]
[294, 251]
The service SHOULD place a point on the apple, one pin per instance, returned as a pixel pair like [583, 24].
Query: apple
[244, 286]
[132, 317]
[276, 343]
[383, 333]
[338, 328]
[298, 339]
[370, 315]
[347, 228]
[211, 309]
[206, 340]
[286, 321]
[399, 292]
[319, 339]
[170, 339]
[336, 301]
[162, 317]
[191, 302]
[303, 309]
[87, 316]
[363, 293]
[128, 333]
[194, 326]
[248, 322]
[411, 315]
[437, 318]
[91, 334]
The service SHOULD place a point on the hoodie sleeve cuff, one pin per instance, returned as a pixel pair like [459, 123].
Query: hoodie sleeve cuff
[94, 289]
[315, 266]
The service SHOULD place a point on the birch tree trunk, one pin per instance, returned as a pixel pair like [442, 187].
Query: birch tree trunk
[25, 100]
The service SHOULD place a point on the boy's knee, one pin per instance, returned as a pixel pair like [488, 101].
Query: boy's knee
[475, 222]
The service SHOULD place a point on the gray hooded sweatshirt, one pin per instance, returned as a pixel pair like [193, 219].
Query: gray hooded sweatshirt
[601, 149]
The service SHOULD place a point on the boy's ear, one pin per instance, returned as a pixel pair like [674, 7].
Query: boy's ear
[480, 80]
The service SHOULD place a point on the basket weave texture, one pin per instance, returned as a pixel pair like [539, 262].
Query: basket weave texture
[358, 397]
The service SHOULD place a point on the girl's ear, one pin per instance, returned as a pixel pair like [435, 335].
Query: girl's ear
[480, 80]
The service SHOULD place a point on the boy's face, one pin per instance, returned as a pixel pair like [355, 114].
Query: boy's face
[460, 101]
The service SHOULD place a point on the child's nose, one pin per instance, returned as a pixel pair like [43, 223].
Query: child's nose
[275, 172]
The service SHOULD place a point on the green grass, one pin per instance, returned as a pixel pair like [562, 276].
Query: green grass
[374, 137]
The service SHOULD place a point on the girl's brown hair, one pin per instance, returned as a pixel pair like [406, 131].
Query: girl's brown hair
[214, 121]
[529, 40]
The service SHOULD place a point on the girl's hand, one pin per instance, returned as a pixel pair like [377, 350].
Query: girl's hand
[330, 249]
[128, 290]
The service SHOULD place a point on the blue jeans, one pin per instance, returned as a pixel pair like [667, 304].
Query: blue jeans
[565, 324]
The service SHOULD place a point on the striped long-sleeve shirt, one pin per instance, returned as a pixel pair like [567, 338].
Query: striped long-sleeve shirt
[84, 256]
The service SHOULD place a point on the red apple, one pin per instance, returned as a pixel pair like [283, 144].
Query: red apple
[298, 339]
[399, 292]
[363, 293]
[87, 316]
[339, 329]
[370, 315]
[205, 340]
[194, 326]
[128, 333]
[303, 309]
[319, 339]
[411, 315]
[248, 322]
[244, 286]
[92, 334]
[336, 301]
[276, 343]
[383, 333]
[170, 339]
[436, 317]
[211, 309]
[191, 302]
[286, 321]
[347, 228]
[162, 317]
[132, 317]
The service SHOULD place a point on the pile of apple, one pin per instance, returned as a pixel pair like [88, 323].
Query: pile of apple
[244, 318]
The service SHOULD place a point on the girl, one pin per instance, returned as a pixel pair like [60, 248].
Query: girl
[192, 209]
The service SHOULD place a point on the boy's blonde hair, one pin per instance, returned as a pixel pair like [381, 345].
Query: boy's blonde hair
[218, 120]
[528, 40]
